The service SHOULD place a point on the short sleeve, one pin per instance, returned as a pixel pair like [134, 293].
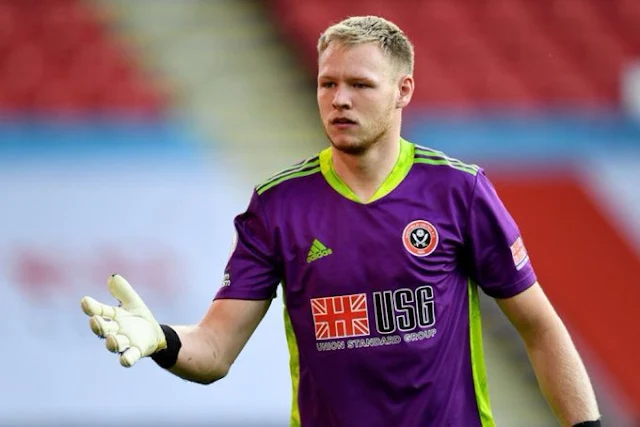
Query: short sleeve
[498, 258]
[251, 272]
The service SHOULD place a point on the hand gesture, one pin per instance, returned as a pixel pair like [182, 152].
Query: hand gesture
[130, 329]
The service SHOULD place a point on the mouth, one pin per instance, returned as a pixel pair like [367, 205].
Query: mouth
[343, 122]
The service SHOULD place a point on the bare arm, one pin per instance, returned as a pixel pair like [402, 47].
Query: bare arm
[560, 372]
[210, 347]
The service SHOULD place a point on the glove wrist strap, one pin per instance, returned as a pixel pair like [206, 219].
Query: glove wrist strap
[168, 357]
[595, 423]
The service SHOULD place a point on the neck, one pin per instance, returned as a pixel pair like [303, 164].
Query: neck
[366, 172]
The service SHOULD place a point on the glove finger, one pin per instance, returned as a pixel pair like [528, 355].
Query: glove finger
[124, 292]
[102, 327]
[117, 343]
[91, 307]
[130, 356]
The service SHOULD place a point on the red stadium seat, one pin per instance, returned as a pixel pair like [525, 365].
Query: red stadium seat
[627, 13]
[61, 96]
[136, 93]
[436, 17]
[590, 41]
[518, 51]
[55, 54]
[23, 68]
[437, 88]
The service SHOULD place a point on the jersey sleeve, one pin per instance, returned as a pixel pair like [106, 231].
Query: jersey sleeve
[251, 271]
[498, 258]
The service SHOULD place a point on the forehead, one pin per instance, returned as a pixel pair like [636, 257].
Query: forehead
[366, 60]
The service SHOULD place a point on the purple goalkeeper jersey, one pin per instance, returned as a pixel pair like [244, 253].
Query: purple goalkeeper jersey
[381, 300]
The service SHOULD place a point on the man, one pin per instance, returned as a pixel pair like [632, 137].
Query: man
[380, 245]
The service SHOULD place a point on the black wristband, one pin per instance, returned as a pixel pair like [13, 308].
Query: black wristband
[595, 423]
[168, 357]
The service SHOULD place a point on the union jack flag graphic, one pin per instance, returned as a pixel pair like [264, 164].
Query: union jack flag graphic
[340, 317]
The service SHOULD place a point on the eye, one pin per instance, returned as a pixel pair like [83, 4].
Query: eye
[327, 85]
[362, 85]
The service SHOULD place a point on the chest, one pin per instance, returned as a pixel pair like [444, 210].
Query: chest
[333, 246]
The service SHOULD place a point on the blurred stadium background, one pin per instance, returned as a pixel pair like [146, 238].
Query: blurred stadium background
[131, 132]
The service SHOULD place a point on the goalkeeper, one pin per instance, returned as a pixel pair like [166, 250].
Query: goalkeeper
[381, 246]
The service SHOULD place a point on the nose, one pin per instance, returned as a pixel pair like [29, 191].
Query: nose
[341, 99]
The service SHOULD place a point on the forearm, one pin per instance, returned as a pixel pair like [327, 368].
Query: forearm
[199, 356]
[207, 350]
[562, 375]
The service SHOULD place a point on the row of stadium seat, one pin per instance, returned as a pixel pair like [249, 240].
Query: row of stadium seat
[517, 52]
[55, 55]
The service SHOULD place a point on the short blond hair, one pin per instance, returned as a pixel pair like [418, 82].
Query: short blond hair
[357, 30]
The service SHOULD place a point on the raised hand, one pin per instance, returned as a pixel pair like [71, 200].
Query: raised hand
[130, 329]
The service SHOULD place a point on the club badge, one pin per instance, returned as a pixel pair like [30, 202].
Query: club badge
[420, 238]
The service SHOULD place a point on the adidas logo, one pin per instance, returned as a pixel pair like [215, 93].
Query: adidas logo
[317, 251]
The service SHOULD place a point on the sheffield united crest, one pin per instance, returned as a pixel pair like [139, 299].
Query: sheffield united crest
[420, 238]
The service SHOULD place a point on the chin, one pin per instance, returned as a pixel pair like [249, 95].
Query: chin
[349, 145]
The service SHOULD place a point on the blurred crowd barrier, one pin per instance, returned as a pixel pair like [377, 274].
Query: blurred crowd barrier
[80, 202]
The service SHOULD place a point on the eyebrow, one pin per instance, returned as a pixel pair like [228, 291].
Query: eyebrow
[349, 79]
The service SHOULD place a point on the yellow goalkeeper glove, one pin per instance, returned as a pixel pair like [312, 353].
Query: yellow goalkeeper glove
[130, 329]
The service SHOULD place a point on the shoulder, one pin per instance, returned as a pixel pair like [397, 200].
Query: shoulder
[429, 159]
[443, 175]
[292, 175]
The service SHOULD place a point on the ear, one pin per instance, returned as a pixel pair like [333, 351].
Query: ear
[405, 90]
